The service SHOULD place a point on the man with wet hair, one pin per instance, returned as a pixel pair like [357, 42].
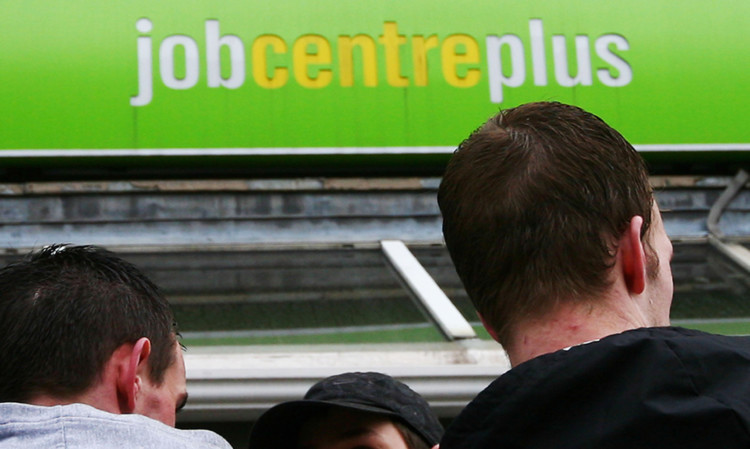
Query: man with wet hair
[551, 223]
[357, 410]
[89, 355]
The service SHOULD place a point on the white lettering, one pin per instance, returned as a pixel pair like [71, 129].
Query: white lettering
[495, 66]
[145, 66]
[166, 62]
[213, 57]
[583, 60]
[602, 50]
[506, 60]
[538, 57]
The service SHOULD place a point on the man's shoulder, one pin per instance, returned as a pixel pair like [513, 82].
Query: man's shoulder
[643, 350]
[82, 426]
[667, 342]
[640, 343]
[658, 386]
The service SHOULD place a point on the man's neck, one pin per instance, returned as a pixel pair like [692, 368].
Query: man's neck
[568, 325]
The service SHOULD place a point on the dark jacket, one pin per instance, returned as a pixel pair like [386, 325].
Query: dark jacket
[646, 388]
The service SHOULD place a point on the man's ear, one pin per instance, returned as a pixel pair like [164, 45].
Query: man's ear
[633, 256]
[129, 382]
[489, 328]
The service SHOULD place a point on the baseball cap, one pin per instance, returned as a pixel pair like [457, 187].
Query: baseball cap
[278, 427]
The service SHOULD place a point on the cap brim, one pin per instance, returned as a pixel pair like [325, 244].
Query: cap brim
[279, 426]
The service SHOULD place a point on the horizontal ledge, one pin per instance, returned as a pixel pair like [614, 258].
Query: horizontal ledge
[319, 151]
[281, 151]
[240, 383]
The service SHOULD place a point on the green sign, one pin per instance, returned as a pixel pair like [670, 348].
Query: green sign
[368, 74]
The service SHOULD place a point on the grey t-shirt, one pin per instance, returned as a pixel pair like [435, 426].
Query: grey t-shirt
[79, 426]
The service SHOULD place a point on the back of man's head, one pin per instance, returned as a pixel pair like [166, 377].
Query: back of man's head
[533, 203]
[63, 312]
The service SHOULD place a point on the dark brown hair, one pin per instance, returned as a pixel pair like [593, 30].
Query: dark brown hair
[63, 312]
[533, 203]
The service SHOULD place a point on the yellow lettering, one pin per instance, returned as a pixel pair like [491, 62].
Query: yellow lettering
[279, 75]
[392, 41]
[452, 56]
[312, 50]
[419, 48]
[346, 60]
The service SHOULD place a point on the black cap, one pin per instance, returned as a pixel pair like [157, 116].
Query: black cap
[278, 427]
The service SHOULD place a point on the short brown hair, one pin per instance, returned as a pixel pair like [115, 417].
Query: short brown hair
[533, 203]
[65, 309]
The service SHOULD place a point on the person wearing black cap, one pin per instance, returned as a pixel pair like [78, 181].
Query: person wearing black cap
[347, 411]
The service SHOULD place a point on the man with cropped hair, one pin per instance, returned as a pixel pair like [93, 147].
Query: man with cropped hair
[551, 223]
[90, 356]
